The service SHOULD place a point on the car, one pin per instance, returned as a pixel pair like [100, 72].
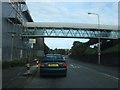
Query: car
[63, 57]
[53, 64]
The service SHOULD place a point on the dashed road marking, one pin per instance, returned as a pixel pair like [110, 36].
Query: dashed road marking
[73, 66]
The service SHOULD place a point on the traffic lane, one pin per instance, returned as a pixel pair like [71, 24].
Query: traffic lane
[113, 71]
[71, 81]
[77, 77]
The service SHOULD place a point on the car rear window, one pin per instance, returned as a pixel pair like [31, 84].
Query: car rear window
[53, 58]
[58, 57]
[48, 57]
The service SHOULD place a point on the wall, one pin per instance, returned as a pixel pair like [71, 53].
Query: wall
[0, 45]
[7, 27]
[0, 32]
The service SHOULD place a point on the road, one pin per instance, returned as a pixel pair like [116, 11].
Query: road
[79, 75]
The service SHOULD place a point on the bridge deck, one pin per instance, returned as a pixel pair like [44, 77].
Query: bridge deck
[69, 25]
[70, 30]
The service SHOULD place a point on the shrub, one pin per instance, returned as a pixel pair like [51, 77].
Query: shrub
[5, 64]
[17, 63]
[14, 63]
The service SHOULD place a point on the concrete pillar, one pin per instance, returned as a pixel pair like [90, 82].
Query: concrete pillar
[39, 47]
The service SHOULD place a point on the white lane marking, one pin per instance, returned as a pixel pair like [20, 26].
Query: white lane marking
[72, 65]
[77, 67]
[109, 75]
[100, 72]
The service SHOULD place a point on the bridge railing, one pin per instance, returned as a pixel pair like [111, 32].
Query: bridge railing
[70, 33]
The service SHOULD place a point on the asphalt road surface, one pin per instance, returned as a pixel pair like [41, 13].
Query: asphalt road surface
[79, 75]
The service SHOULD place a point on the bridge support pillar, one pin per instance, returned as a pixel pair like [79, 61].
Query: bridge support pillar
[39, 47]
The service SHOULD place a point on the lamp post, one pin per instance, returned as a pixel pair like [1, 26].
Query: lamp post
[99, 51]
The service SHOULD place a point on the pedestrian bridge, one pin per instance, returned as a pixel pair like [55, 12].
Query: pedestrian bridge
[70, 30]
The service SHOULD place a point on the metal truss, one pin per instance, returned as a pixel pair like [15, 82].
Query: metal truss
[70, 33]
[15, 15]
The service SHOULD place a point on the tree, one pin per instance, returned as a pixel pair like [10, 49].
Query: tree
[78, 48]
[92, 41]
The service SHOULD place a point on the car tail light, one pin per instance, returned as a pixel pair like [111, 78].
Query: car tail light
[42, 65]
[64, 65]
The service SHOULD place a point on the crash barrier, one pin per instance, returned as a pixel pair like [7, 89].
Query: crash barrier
[30, 64]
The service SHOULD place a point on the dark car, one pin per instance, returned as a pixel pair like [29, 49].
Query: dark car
[53, 64]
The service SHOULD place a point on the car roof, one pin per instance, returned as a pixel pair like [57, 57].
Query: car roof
[53, 54]
[49, 54]
[53, 57]
[57, 54]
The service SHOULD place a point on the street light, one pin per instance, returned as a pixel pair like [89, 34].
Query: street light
[99, 51]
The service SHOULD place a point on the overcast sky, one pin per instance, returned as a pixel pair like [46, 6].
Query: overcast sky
[72, 12]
